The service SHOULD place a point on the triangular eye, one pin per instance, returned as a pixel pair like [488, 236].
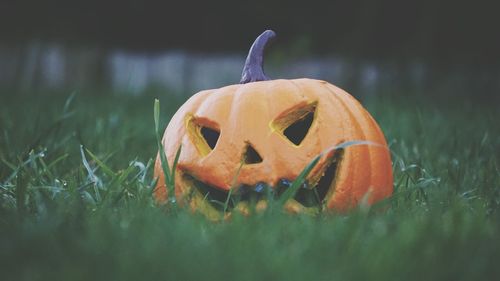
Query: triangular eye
[296, 122]
[210, 135]
[298, 130]
[251, 156]
[203, 133]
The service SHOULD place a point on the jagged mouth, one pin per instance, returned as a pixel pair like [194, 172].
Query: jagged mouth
[311, 194]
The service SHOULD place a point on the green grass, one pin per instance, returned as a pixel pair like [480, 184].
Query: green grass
[61, 220]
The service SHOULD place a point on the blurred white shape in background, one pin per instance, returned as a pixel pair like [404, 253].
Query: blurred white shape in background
[128, 72]
[53, 61]
[55, 66]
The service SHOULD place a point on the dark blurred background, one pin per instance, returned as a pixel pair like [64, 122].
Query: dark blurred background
[366, 45]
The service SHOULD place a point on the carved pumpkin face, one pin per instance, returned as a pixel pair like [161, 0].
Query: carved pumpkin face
[257, 137]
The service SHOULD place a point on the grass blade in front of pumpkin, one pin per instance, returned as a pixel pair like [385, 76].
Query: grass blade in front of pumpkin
[174, 166]
[233, 185]
[169, 174]
[352, 143]
[290, 192]
[161, 151]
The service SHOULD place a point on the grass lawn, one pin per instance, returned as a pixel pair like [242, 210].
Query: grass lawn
[58, 221]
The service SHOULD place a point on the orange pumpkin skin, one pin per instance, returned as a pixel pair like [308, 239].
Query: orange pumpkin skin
[256, 114]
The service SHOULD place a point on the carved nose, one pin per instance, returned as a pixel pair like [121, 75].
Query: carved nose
[250, 155]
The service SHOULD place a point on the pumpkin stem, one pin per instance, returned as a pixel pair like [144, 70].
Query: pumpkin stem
[253, 70]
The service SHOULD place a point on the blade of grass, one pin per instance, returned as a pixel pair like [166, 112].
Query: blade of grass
[57, 160]
[46, 170]
[21, 190]
[169, 173]
[172, 173]
[105, 168]
[8, 164]
[290, 192]
[161, 150]
[233, 185]
[22, 165]
[94, 179]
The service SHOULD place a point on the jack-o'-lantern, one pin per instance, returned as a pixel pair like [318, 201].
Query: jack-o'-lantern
[256, 137]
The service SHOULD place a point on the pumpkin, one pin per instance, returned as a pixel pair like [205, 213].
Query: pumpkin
[255, 138]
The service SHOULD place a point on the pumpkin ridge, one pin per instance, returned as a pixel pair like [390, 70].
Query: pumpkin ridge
[378, 158]
[353, 200]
